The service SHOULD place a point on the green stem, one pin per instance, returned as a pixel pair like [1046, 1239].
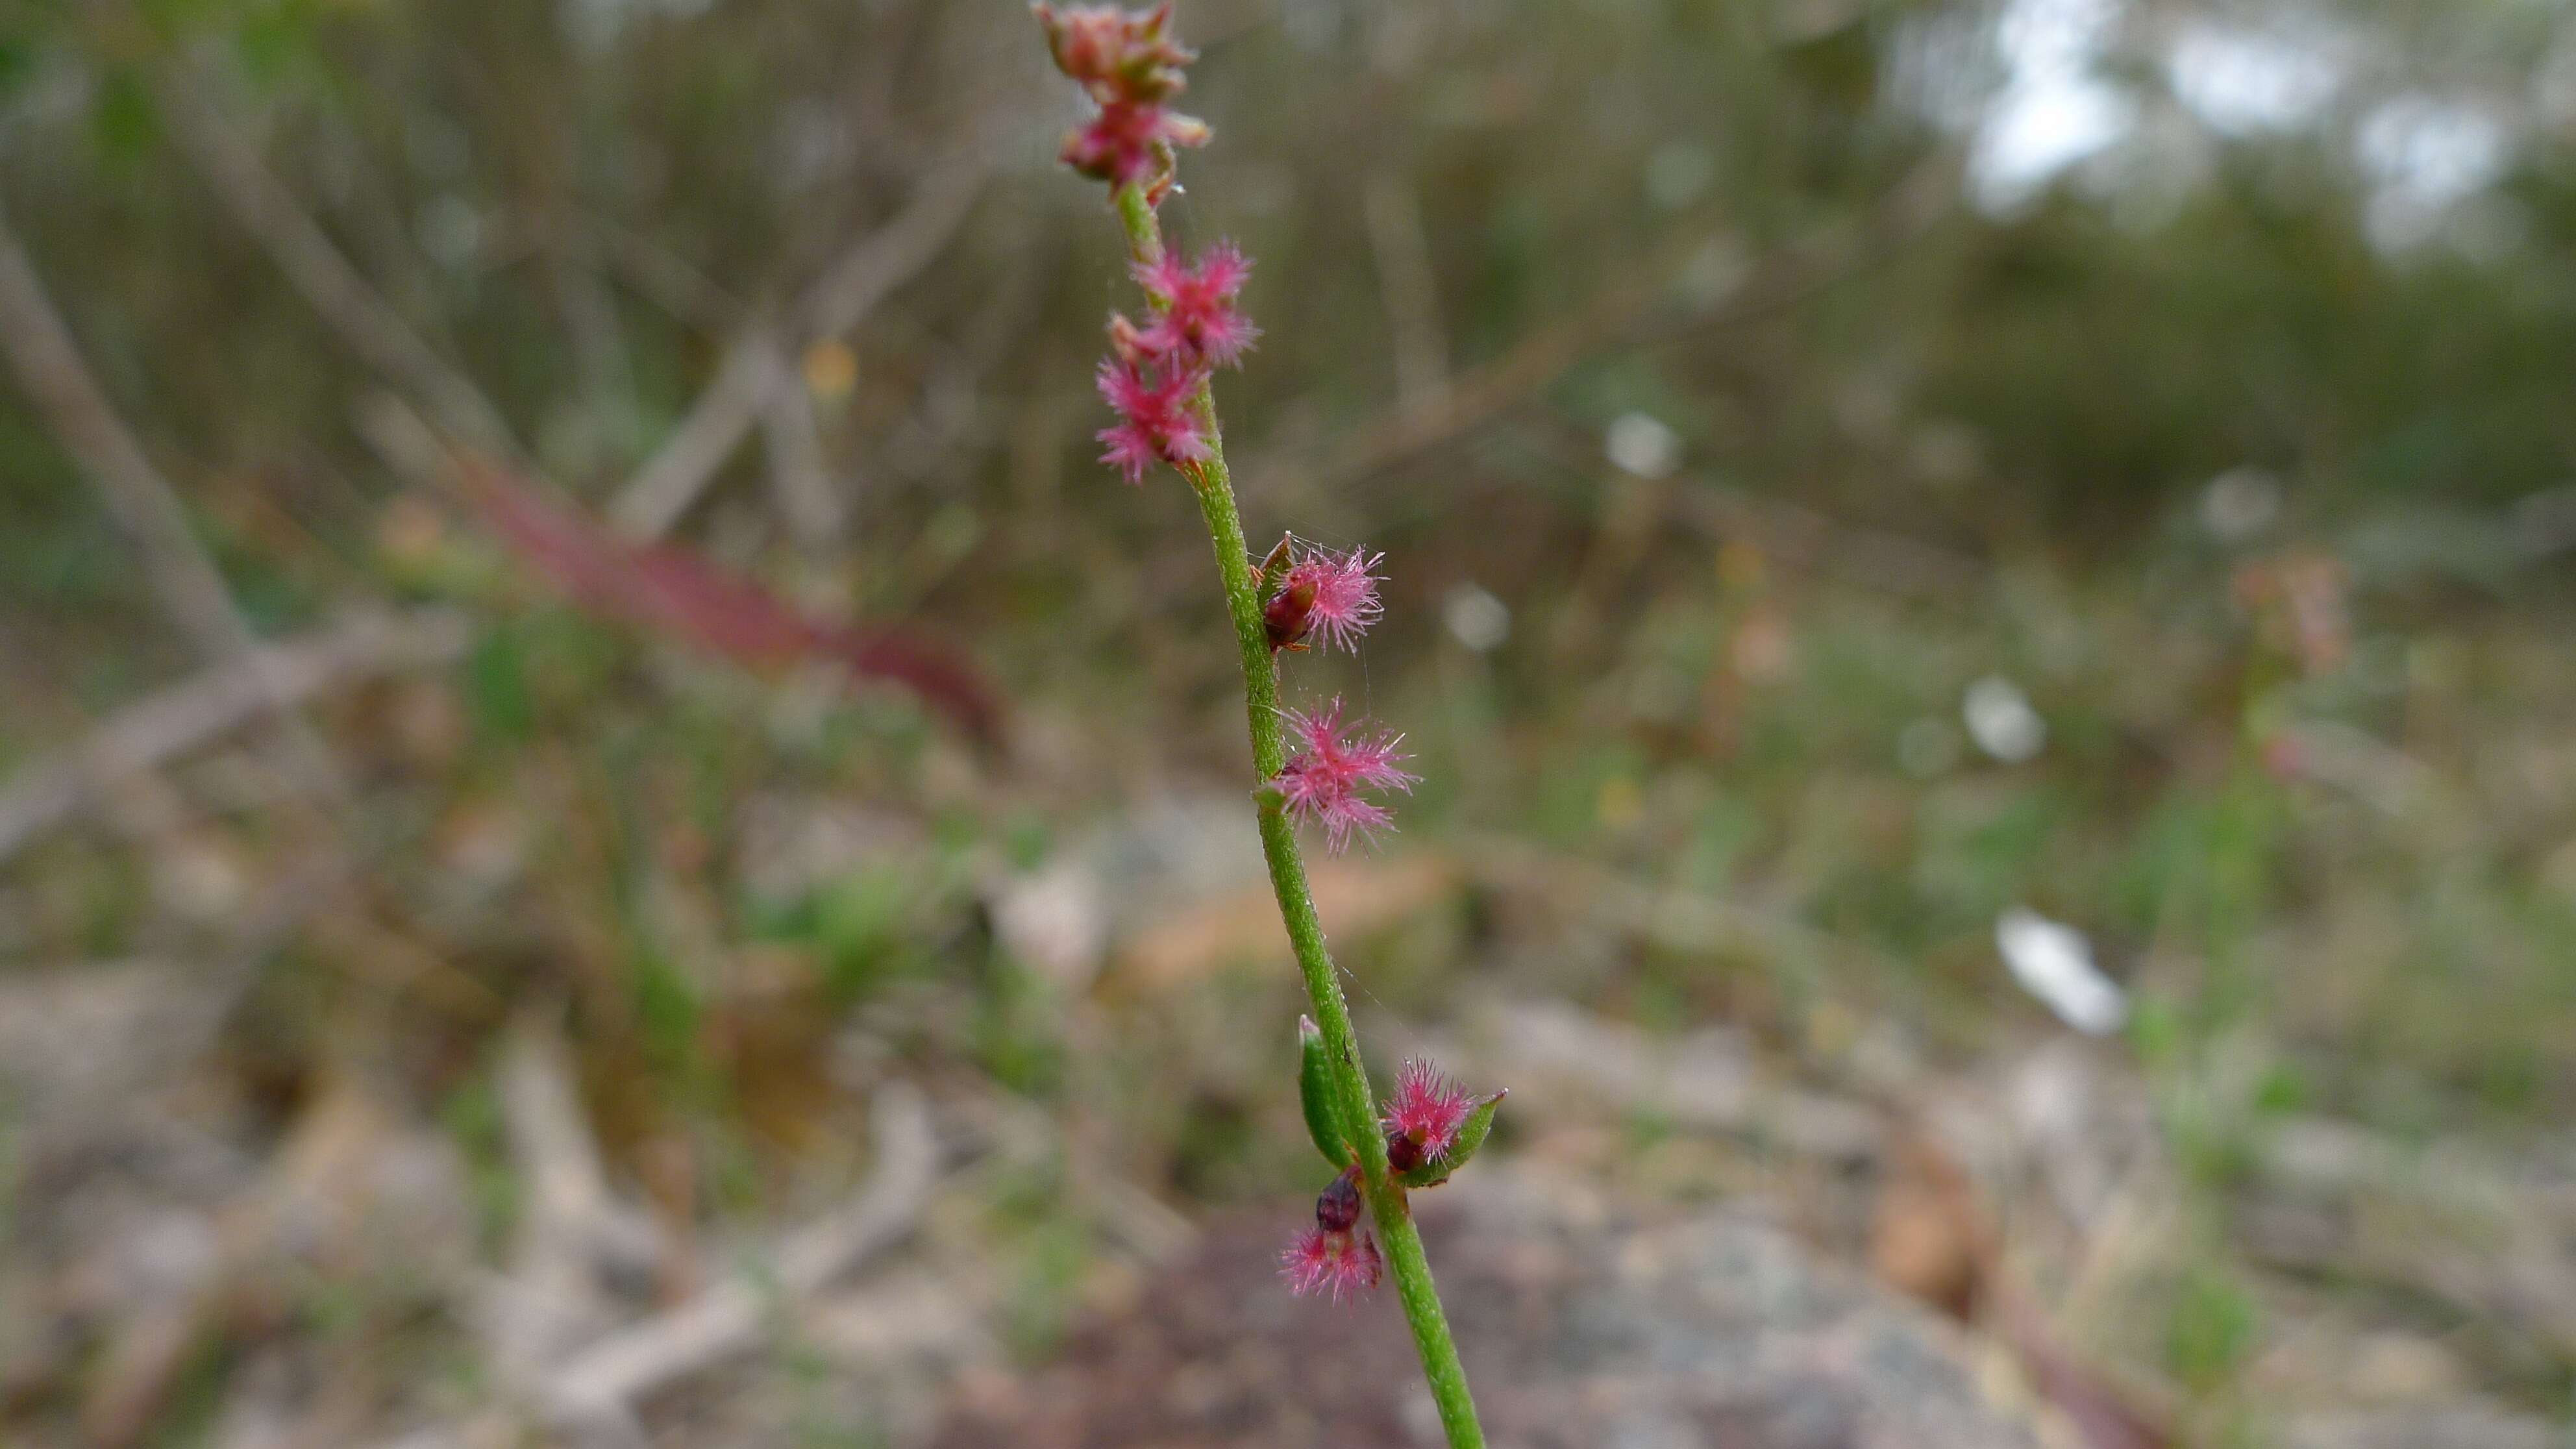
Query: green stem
[1386, 1198]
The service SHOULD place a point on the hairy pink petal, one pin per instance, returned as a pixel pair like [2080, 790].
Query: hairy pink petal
[1321, 783]
[1345, 593]
[1155, 419]
[1428, 1106]
[1124, 143]
[1199, 320]
[1339, 1265]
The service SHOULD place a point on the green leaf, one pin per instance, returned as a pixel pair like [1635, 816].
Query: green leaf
[1471, 1135]
[1315, 1094]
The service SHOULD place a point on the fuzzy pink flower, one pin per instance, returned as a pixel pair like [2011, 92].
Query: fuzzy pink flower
[1427, 1109]
[1339, 1265]
[1199, 320]
[1130, 141]
[1155, 420]
[1116, 54]
[1327, 593]
[1323, 780]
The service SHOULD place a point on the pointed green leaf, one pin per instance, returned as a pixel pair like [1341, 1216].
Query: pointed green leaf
[1315, 1094]
[1273, 568]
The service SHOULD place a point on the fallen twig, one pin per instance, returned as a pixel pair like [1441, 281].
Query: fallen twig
[838, 301]
[192, 590]
[573, 1226]
[606, 1377]
[219, 700]
[367, 323]
[1616, 317]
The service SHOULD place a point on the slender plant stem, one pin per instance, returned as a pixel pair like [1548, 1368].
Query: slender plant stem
[1386, 1198]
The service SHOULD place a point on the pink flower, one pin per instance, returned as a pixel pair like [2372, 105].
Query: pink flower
[1155, 420]
[1322, 782]
[1199, 319]
[1427, 1109]
[1129, 141]
[1340, 1265]
[1334, 594]
[1116, 54]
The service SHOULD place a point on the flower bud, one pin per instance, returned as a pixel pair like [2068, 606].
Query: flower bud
[1290, 612]
[1339, 1205]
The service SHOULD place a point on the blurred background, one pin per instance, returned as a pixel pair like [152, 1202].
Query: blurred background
[610, 832]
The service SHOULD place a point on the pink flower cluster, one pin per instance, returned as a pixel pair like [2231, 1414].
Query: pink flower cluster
[1197, 322]
[1130, 66]
[1336, 1257]
[1155, 419]
[1423, 1121]
[1423, 1117]
[1338, 1265]
[1323, 780]
[1153, 374]
[1332, 596]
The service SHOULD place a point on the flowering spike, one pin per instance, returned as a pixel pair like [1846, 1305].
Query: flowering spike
[1339, 1265]
[1130, 66]
[1427, 1109]
[1199, 320]
[1156, 377]
[1334, 594]
[1322, 782]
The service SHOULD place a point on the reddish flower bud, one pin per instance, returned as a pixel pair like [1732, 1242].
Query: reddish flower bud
[1130, 66]
[1130, 141]
[1116, 54]
[1288, 615]
[1339, 1205]
[1403, 1154]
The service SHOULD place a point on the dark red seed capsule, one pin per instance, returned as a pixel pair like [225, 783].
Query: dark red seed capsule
[1339, 1205]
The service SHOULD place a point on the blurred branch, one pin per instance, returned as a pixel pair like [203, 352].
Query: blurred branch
[590, 1394]
[732, 1315]
[799, 476]
[1870, 557]
[192, 589]
[671, 480]
[1393, 212]
[1783, 280]
[1919, 200]
[315, 266]
[573, 1227]
[669, 279]
[222, 698]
